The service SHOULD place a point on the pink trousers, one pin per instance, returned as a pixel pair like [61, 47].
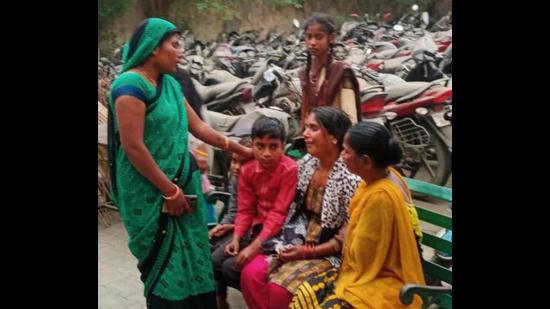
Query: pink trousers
[257, 292]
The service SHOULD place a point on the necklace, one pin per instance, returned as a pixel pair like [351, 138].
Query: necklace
[152, 81]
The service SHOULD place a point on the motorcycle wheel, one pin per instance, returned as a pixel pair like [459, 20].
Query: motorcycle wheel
[435, 162]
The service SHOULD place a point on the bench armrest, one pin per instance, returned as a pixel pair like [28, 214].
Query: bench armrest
[215, 177]
[424, 291]
[213, 196]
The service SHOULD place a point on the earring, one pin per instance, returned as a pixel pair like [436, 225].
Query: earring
[334, 141]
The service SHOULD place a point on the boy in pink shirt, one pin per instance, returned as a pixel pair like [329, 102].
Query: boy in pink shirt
[267, 185]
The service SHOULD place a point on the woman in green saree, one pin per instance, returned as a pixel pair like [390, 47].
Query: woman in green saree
[152, 171]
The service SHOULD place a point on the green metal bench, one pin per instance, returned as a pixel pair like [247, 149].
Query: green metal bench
[440, 296]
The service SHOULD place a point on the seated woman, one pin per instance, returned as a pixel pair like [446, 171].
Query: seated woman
[380, 252]
[308, 243]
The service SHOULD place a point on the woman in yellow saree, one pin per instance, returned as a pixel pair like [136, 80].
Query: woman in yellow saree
[380, 250]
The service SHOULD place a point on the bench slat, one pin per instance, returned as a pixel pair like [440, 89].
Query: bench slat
[434, 218]
[211, 199]
[445, 301]
[438, 271]
[430, 189]
[431, 269]
[437, 243]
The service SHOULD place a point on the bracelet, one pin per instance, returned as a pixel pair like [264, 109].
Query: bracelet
[173, 197]
[226, 147]
[201, 153]
[309, 248]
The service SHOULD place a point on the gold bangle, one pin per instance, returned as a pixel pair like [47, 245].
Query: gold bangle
[173, 197]
[201, 153]
[226, 143]
[308, 249]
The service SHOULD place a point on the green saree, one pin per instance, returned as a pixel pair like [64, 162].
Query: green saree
[173, 252]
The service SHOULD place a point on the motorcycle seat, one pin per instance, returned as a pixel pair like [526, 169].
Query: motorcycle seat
[210, 93]
[222, 76]
[386, 54]
[221, 122]
[403, 89]
[382, 45]
[367, 96]
[394, 64]
[419, 91]
[222, 103]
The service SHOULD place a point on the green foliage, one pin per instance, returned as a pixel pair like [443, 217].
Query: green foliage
[224, 9]
[421, 3]
[411, 2]
[340, 19]
[227, 9]
[279, 4]
[107, 11]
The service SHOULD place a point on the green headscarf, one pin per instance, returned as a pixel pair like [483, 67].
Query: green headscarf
[144, 40]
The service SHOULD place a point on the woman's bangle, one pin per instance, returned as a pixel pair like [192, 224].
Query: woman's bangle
[172, 197]
[201, 153]
[309, 251]
[226, 147]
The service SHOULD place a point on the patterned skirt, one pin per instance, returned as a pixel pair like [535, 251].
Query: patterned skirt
[318, 292]
[291, 274]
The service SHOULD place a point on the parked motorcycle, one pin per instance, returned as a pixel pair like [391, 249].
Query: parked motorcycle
[418, 114]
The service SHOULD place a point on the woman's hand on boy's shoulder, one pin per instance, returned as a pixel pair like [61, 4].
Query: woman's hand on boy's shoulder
[246, 155]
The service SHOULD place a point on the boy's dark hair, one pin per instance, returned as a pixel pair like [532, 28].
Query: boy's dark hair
[246, 141]
[268, 126]
[373, 139]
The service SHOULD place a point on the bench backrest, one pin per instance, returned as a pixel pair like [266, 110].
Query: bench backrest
[211, 199]
[432, 269]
